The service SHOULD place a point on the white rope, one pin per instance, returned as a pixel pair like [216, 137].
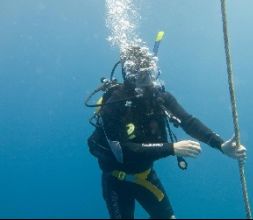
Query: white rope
[234, 109]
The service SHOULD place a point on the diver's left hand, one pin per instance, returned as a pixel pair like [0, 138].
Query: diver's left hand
[230, 149]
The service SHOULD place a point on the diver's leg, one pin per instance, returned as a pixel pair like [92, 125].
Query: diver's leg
[156, 209]
[118, 197]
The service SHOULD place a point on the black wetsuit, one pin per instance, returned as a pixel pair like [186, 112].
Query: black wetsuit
[139, 126]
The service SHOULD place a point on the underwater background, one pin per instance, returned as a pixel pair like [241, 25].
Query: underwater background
[52, 56]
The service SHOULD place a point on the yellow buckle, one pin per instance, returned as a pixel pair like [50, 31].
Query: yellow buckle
[121, 175]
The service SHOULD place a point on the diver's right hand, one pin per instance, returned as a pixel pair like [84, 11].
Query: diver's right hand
[187, 148]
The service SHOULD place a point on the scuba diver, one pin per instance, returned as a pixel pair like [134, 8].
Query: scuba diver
[132, 124]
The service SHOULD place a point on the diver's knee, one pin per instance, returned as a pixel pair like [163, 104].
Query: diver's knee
[172, 217]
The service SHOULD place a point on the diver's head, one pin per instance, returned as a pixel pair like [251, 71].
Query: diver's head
[139, 68]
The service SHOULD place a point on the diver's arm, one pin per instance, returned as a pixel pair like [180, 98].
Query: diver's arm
[124, 150]
[191, 125]
[147, 151]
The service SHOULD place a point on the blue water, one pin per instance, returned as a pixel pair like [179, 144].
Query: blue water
[53, 54]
